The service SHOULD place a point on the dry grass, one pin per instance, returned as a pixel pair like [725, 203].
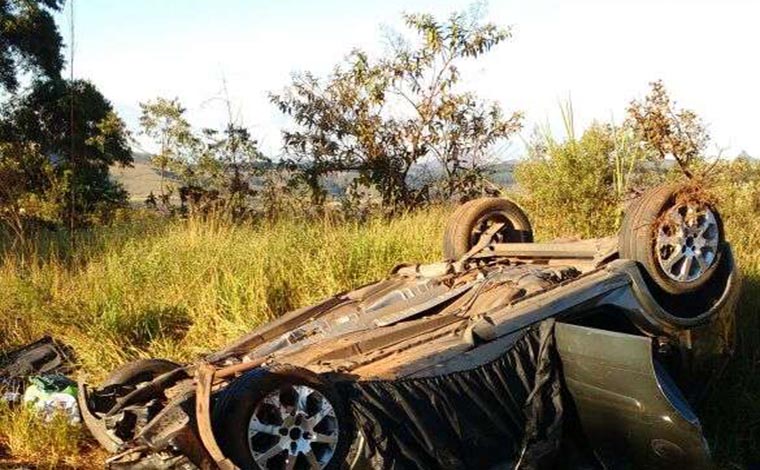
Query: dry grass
[48, 445]
[731, 413]
[179, 289]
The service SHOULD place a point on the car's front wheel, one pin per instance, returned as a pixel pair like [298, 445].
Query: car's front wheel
[282, 418]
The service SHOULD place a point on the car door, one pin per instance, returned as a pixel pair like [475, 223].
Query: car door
[630, 409]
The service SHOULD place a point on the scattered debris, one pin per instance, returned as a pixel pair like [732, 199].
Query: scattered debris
[34, 374]
[52, 394]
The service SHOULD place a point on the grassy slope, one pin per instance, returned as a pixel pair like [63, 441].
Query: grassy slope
[139, 179]
[177, 289]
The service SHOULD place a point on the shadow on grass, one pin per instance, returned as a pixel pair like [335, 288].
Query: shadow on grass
[279, 297]
[731, 412]
[46, 243]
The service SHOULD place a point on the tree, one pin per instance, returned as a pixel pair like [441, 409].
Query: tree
[380, 118]
[37, 127]
[230, 160]
[457, 128]
[30, 192]
[164, 121]
[667, 130]
[216, 166]
[29, 40]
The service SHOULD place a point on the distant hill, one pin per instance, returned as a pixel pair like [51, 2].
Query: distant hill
[503, 173]
[140, 179]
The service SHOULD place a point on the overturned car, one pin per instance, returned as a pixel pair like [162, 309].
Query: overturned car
[509, 354]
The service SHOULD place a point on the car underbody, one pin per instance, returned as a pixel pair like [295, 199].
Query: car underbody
[628, 355]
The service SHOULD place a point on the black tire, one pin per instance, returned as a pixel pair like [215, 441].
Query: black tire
[235, 406]
[139, 371]
[465, 225]
[637, 240]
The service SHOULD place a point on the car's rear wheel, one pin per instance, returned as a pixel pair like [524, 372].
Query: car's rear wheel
[677, 239]
[282, 418]
[468, 223]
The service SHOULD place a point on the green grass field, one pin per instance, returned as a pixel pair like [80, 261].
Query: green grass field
[176, 289]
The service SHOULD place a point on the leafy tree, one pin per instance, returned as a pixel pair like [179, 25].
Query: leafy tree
[30, 192]
[230, 161]
[164, 121]
[455, 127]
[29, 40]
[41, 141]
[380, 118]
[215, 167]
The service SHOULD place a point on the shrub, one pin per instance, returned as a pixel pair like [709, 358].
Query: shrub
[567, 187]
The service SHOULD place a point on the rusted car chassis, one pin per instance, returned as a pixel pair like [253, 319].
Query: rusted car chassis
[628, 348]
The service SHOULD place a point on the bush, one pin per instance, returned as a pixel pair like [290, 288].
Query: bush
[567, 187]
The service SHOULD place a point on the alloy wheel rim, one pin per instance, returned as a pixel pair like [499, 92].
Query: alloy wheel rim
[293, 428]
[687, 238]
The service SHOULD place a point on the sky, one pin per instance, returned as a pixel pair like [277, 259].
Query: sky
[600, 54]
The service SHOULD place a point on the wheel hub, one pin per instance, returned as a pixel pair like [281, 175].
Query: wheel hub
[483, 225]
[687, 239]
[294, 427]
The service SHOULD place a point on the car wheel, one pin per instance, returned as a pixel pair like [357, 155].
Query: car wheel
[282, 418]
[139, 371]
[471, 220]
[678, 241]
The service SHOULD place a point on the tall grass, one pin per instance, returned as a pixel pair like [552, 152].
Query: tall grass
[731, 414]
[179, 289]
[47, 445]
